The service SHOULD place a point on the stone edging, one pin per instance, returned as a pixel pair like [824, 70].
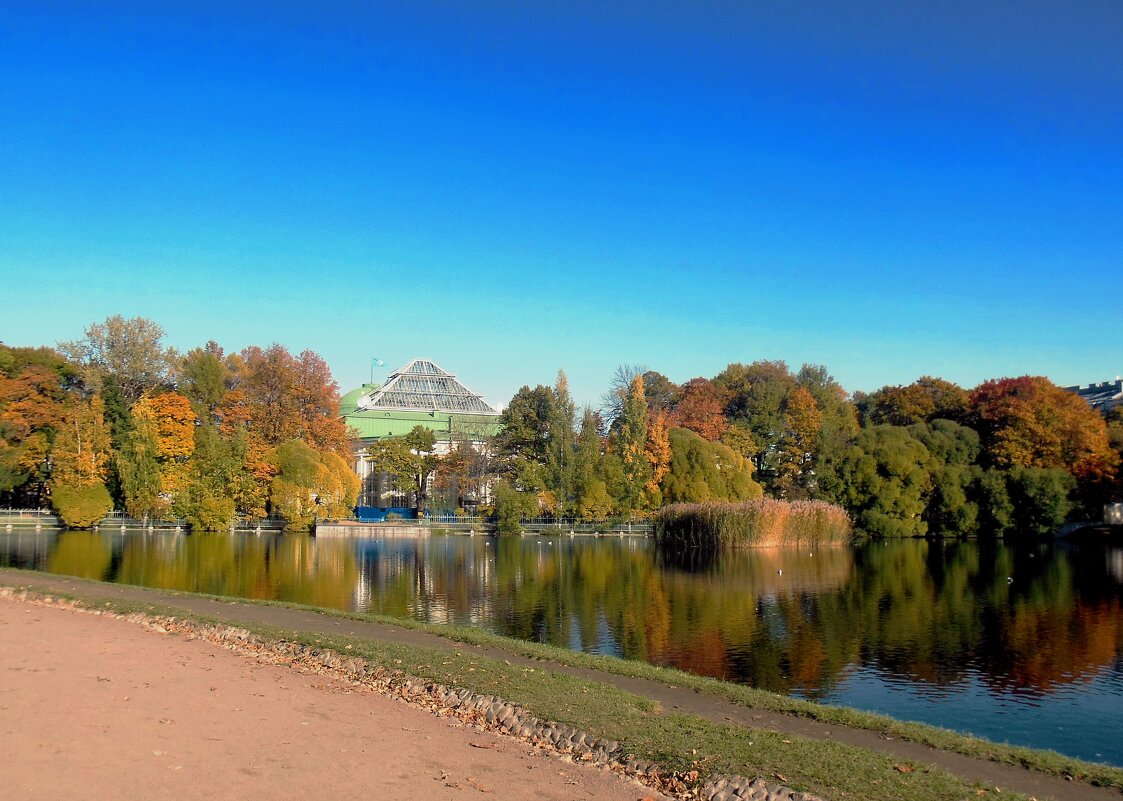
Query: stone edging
[483, 712]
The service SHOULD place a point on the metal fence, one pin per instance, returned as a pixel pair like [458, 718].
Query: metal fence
[26, 518]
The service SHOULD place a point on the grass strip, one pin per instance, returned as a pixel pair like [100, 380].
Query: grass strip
[673, 741]
[1043, 761]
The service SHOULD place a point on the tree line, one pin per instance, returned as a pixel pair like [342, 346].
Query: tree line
[118, 420]
[1012, 455]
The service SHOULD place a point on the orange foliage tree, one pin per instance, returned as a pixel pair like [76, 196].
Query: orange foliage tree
[280, 397]
[174, 422]
[1031, 422]
[658, 452]
[702, 409]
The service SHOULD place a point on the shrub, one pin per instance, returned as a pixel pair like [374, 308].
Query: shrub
[81, 507]
[211, 514]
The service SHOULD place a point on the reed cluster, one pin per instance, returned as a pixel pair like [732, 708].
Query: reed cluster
[762, 522]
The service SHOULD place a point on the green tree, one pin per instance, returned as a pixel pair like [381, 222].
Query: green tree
[884, 480]
[522, 446]
[411, 459]
[139, 470]
[511, 507]
[204, 378]
[1041, 498]
[706, 471]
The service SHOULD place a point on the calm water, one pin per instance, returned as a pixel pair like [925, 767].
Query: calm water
[1020, 645]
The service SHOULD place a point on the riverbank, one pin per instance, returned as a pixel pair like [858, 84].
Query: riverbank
[735, 729]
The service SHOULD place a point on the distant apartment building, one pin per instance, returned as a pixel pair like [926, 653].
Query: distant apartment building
[1104, 396]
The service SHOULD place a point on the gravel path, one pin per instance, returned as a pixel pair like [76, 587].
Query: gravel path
[93, 707]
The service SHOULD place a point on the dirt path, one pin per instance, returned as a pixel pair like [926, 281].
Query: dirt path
[1009, 777]
[94, 708]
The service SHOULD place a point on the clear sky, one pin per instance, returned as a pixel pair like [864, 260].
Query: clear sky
[887, 188]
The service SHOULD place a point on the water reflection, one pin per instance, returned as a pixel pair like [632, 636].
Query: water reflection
[963, 634]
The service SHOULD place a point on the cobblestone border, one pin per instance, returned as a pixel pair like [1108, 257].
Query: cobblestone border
[483, 712]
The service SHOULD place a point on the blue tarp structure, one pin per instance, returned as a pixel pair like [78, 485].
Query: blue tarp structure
[377, 514]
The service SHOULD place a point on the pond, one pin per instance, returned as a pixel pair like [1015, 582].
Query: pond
[1016, 644]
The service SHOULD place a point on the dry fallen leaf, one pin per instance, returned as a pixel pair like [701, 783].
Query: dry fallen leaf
[904, 768]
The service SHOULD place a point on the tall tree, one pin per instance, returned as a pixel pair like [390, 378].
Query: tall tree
[562, 440]
[279, 397]
[629, 442]
[129, 350]
[798, 443]
[657, 449]
[619, 386]
[32, 397]
[139, 470]
[523, 442]
[662, 394]
[204, 377]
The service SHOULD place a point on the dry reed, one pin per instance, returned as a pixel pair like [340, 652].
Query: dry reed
[762, 522]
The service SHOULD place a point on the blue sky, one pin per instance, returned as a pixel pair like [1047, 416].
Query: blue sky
[886, 188]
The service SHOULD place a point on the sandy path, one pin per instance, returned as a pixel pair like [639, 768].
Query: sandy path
[97, 708]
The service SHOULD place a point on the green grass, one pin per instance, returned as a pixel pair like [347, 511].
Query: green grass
[1048, 762]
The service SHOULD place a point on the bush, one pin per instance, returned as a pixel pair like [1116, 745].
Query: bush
[81, 507]
[511, 506]
[762, 522]
[211, 514]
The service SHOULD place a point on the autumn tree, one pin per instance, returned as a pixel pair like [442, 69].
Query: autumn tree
[798, 442]
[922, 401]
[1031, 422]
[701, 409]
[33, 386]
[628, 443]
[657, 450]
[79, 463]
[280, 397]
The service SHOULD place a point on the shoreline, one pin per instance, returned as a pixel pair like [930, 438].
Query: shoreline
[993, 764]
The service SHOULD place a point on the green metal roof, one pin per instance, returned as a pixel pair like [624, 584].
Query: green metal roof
[379, 424]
